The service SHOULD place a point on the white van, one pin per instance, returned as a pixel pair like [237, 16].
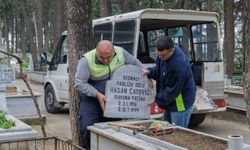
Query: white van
[196, 32]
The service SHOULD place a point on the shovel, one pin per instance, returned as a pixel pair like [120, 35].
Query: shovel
[133, 127]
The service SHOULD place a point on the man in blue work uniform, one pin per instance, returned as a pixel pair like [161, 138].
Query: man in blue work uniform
[93, 70]
[175, 86]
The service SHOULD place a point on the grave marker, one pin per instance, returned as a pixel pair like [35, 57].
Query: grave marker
[7, 76]
[127, 94]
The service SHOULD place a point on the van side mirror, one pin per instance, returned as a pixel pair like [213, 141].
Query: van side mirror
[44, 58]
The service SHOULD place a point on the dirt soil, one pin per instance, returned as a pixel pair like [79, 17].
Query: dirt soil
[192, 141]
[186, 139]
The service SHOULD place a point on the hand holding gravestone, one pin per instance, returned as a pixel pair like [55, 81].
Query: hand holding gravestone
[102, 100]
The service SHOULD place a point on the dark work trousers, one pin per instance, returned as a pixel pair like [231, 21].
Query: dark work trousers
[167, 115]
[90, 113]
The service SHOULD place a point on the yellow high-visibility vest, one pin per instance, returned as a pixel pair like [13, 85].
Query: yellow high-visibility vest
[100, 70]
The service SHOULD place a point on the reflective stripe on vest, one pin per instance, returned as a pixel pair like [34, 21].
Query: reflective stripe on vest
[180, 104]
[100, 70]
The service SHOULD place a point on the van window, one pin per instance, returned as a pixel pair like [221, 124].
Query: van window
[153, 37]
[142, 53]
[56, 59]
[124, 35]
[64, 51]
[102, 32]
[205, 40]
[180, 37]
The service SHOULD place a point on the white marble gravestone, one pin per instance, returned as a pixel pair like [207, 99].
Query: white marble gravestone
[7, 76]
[127, 94]
[4, 80]
[3, 104]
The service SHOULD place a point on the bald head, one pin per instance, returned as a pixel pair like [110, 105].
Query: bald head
[105, 51]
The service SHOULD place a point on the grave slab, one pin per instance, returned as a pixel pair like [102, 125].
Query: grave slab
[19, 131]
[127, 94]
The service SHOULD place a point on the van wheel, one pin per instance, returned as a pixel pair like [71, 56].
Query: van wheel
[50, 100]
[197, 119]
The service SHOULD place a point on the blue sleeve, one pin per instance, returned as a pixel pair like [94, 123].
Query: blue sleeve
[174, 86]
[153, 70]
[152, 73]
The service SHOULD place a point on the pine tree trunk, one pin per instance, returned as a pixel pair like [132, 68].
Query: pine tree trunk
[229, 43]
[185, 4]
[12, 33]
[1, 38]
[39, 25]
[22, 36]
[210, 5]
[29, 30]
[17, 29]
[127, 5]
[57, 21]
[45, 20]
[105, 8]
[246, 47]
[7, 41]
[79, 38]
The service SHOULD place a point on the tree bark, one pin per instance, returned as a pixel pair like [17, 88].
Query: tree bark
[185, 4]
[29, 28]
[246, 48]
[45, 20]
[17, 29]
[127, 6]
[105, 8]
[229, 43]
[57, 21]
[1, 38]
[22, 35]
[12, 29]
[210, 5]
[39, 25]
[79, 38]
[6, 35]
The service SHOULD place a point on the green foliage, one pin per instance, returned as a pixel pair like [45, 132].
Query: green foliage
[115, 7]
[5, 6]
[95, 9]
[26, 63]
[238, 11]
[173, 4]
[218, 8]
[3, 61]
[4, 122]
[238, 61]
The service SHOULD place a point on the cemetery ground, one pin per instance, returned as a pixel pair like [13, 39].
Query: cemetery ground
[220, 124]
